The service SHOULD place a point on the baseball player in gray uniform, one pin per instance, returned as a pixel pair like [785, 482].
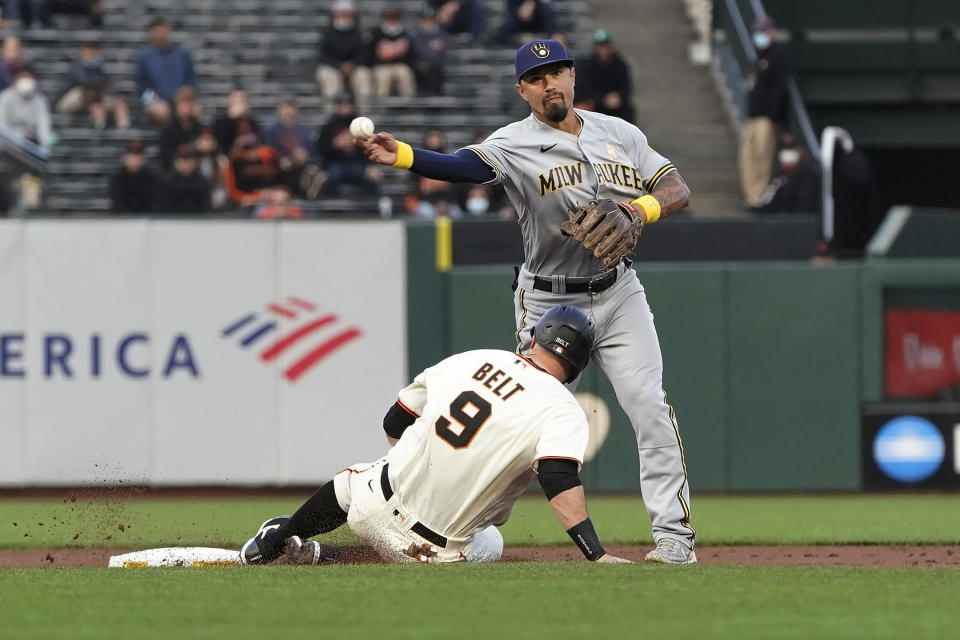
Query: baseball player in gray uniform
[584, 185]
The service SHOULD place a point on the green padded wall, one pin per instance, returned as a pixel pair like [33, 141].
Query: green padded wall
[794, 388]
[689, 307]
[766, 364]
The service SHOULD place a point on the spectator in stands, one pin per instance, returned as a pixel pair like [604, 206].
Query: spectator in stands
[42, 11]
[292, 141]
[12, 56]
[477, 201]
[343, 53]
[461, 16]
[236, 121]
[526, 16]
[134, 187]
[183, 128]
[251, 171]
[430, 51]
[429, 198]
[278, 205]
[24, 109]
[86, 87]
[605, 82]
[796, 187]
[184, 189]
[212, 165]
[391, 52]
[343, 162]
[767, 111]
[162, 67]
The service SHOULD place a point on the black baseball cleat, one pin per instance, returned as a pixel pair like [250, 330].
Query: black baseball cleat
[254, 550]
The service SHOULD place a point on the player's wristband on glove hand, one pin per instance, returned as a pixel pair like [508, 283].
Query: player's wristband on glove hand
[650, 207]
[585, 537]
[404, 156]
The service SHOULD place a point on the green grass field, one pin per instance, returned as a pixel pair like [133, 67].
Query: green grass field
[509, 600]
[720, 520]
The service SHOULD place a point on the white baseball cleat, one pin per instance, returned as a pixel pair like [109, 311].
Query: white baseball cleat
[671, 551]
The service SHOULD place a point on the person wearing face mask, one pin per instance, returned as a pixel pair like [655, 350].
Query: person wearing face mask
[237, 120]
[477, 202]
[430, 198]
[342, 52]
[24, 109]
[767, 112]
[86, 87]
[796, 187]
[392, 55]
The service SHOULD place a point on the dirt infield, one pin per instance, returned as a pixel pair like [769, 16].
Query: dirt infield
[853, 556]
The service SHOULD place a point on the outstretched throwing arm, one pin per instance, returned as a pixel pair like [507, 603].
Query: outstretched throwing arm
[463, 166]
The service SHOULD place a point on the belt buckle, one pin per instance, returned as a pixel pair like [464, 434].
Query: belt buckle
[599, 281]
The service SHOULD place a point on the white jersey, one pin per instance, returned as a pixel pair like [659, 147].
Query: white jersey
[486, 418]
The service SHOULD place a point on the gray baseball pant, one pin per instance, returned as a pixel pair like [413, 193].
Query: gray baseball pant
[628, 352]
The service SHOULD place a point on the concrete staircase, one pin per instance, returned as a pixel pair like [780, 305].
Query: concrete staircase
[676, 102]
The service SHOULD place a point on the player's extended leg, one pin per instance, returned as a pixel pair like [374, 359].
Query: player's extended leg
[628, 352]
[319, 514]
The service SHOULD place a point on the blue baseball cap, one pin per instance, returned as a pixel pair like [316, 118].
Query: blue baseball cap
[538, 53]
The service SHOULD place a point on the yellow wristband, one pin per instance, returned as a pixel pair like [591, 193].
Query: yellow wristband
[404, 156]
[650, 206]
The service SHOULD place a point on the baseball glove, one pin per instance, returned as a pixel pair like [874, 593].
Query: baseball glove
[607, 227]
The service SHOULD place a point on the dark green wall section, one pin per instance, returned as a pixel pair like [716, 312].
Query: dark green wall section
[427, 303]
[484, 303]
[766, 364]
[689, 307]
[793, 353]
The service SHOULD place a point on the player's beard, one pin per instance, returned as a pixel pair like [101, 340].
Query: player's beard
[556, 110]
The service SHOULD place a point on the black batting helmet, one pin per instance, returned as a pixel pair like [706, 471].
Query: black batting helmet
[567, 332]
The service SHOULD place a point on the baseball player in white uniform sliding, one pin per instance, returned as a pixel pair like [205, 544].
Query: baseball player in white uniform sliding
[550, 163]
[469, 435]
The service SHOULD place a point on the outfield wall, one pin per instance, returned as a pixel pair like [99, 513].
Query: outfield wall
[767, 364]
[243, 352]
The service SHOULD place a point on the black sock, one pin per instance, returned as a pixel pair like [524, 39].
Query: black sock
[319, 514]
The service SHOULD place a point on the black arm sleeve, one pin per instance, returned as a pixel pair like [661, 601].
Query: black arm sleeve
[556, 475]
[397, 420]
[463, 166]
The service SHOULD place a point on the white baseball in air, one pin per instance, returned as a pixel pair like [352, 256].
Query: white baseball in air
[361, 128]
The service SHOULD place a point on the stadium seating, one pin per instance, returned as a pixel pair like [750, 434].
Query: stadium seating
[268, 47]
[901, 57]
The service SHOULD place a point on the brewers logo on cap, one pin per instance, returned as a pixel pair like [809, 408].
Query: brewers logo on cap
[540, 49]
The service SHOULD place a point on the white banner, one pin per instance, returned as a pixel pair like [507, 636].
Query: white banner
[197, 352]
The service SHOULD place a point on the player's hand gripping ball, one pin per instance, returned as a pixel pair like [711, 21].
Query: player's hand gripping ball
[361, 128]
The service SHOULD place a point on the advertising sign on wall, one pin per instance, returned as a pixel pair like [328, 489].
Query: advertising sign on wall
[196, 352]
[922, 352]
[911, 446]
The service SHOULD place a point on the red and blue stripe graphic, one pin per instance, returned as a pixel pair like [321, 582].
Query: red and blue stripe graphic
[253, 328]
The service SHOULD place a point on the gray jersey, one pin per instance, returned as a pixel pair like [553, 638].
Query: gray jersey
[547, 173]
